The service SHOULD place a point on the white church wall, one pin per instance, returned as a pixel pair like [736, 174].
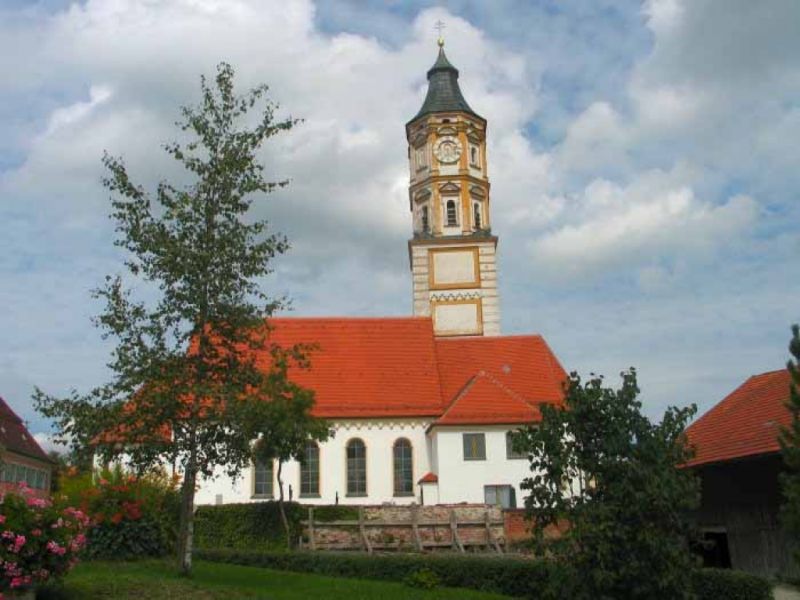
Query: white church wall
[378, 437]
[463, 480]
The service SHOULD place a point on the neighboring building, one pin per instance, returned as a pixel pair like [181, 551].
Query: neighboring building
[21, 456]
[738, 460]
[421, 406]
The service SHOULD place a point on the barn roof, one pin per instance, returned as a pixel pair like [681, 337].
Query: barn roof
[745, 423]
[15, 437]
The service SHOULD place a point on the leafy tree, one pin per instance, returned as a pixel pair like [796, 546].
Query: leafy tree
[608, 477]
[286, 427]
[790, 446]
[187, 381]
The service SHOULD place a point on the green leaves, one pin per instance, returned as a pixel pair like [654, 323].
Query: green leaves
[789, 439]
[187, 384]
[601, 466]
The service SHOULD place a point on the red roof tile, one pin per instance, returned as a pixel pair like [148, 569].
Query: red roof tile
[522, 363]
[485, 400]
[429, 478]
[394, 367]
[745, 423]
[379, 367]
[15, 437]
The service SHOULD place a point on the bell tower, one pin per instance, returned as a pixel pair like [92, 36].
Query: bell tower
[452, 251]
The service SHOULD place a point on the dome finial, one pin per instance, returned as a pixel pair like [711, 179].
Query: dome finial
[439, 26]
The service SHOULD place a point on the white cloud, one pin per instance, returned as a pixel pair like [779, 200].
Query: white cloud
[45, 440]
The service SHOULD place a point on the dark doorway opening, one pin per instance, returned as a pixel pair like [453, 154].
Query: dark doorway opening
[714, 549]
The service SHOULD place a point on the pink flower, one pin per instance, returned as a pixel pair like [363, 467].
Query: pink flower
[2, 520]
[55, 548]
[18, 544]
[35, 533]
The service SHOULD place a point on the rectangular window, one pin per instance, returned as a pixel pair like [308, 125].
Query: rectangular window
[309, 472]
[512, 454]
[356, 468]
[503, 496]
[262, 479]
[474, 446]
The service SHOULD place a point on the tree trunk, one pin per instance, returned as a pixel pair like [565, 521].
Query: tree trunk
[186, 531]
[281, 508]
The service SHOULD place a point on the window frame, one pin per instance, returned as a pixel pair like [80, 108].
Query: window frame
[304, 465]
[474, 156]
[473, 435]
[447, 204]
[348, 492]
[424, 219]
[477, 215]
[270, 480]
[495, 488]
[405, 443]
[510, 454]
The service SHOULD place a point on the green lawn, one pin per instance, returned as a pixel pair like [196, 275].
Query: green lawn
[156, 580]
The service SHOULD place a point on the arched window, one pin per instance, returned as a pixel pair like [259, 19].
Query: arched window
[262, 479]
[474, 155]
[476, 215]
[309, 471]
[452, 220]
[425, 220]
[356, 468]
[403, 468]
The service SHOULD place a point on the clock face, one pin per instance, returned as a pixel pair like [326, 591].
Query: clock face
[447, 149]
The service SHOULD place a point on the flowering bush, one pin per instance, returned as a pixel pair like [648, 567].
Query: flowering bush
[38, 541]
[131, 516]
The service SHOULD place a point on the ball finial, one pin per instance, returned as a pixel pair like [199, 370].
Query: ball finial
[440, 27]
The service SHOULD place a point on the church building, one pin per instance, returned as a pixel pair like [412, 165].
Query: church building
[421, 406]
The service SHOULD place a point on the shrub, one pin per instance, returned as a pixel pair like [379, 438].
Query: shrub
[255, 526]
[424, 579]
[132, 517]
[504, 575]
[39, 541]
[712, 584]
[536, 579]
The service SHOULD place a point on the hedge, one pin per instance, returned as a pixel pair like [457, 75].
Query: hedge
[710, 584]
[257, 525]
[506, 575]
[503, 575]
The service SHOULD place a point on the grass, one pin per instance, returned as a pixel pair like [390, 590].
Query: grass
[157, 580]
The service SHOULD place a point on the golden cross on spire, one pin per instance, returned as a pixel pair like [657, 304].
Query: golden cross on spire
[439, 26]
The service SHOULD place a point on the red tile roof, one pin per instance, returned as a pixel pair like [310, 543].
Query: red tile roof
[15, 437]
[745, 423]
[429, 478]
[394, 367]
[484, 400]
[379, 367]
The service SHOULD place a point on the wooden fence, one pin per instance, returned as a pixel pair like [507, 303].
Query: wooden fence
[411, 528]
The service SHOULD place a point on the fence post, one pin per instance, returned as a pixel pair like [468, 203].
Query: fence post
[363, 530]
[491, 540]
[415, 527]
[454, 532]
[312, 542]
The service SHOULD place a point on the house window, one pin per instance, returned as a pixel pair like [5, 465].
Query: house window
[262, 479]
[512, 454]
[424, 219]
[356, 468]
[403, 468]
[476, 215]
[452, 215]
[474, 446]
[503, 496]
[309, 471]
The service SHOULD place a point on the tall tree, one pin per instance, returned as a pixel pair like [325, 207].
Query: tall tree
[600, 467]
[188, 369]
[790, 446]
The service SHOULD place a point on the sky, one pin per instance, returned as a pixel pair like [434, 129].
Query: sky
[643, 159]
